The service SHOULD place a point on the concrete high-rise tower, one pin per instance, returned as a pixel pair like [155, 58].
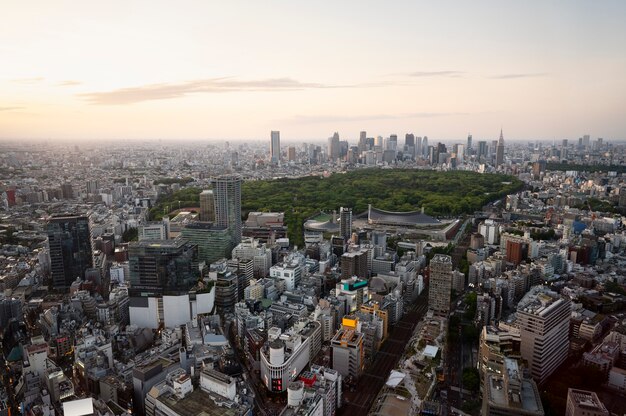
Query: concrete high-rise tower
[333, 147]
[440, 289]
[500, 150]
[275, 147]
[69, 239]
[345, 219]
[543, 318]
[227, 192]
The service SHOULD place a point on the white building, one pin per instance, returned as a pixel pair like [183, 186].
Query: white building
[284, 356]
[491, 231]
[291, 273]
[543, 318]
[172, 311]
[212, 381]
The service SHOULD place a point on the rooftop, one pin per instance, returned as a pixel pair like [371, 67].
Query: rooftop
[538, 301]
[197, 403]
[585, 399]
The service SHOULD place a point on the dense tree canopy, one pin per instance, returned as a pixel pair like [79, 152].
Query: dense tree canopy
[439, 193]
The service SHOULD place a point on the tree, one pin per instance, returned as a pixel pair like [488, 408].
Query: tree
[471, 379]
[131, 234]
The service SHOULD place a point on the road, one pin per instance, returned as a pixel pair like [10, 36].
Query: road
[359, 402]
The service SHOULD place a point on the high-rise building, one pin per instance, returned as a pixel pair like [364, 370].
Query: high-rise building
[543, 318]
[363, 142]
[207, 206]
[291, 153]
[482, 149]
[584, 403]
[348, 352]
[440, 291]
[500, 150]
[67, 191]
[469, 144]
[227, 191]
[92, 186]
[333, 147]
[275, 147]
[162, 267]
[425, 146]
[345, 222]
[69, 239]
[564, 150]
[354, 263]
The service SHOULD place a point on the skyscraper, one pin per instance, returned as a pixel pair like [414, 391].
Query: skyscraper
[425, 146]
[345, 219]
[440, 290]
[275, 147]
[543, 318]
[70, 249]
[363, 142]
[207, 206]
[227, 191]
[482, 149]
[469, 144]
[333, 147]
[500, 150]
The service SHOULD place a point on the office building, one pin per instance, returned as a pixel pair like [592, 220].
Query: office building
[227, 191]
[158, 267]
[440, 291]
[70, 252]
[543, 318]
[333, 147]
[10, 308]
[507, 392]
[482, 149]
[584, 403]
[348, 352]
[214, 242]
[275, 147]
[207, 206]
[290, 272]
[500, 151]
[153, 230]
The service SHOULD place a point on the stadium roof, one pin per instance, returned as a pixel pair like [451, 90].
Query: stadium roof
[413, 218]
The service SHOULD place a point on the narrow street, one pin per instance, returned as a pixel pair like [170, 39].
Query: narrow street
[359, 402]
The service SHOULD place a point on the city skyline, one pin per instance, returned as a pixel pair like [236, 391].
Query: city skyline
[155, 71]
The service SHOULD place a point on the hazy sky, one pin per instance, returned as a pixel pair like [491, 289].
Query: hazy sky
[235, 69]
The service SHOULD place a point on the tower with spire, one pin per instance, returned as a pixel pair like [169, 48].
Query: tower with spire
[500, 151]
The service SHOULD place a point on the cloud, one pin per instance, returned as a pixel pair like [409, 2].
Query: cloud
[449, 74]
[68, 83]
[339, 119]
[10, 108]
[214, 85]
[34, 80]
[520, 75]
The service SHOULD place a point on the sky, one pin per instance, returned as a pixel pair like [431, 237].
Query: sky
[234, 70]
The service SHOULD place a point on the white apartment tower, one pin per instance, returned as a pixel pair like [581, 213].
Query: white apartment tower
[543, 318]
